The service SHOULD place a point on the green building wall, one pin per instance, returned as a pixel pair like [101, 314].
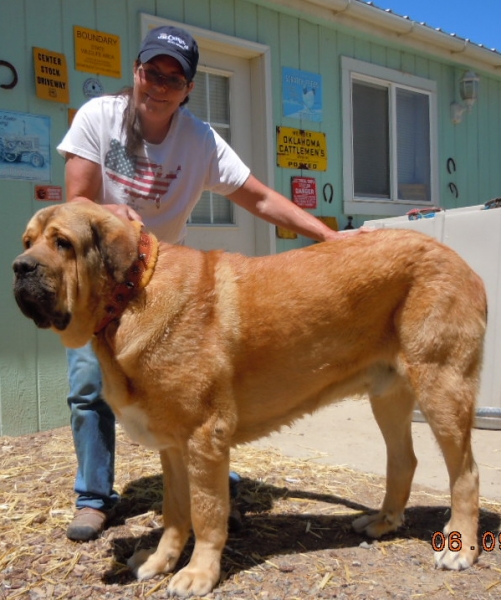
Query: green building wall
[33, 384]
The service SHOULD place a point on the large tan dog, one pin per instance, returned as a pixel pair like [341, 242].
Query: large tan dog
[201, 351]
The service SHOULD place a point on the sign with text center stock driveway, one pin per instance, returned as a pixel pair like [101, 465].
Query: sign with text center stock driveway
[51, 75]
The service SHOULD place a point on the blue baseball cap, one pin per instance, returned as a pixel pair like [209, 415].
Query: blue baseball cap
[171, 41]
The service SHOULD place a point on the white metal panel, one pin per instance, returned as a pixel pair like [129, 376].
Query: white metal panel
[475, 234]
[432, 226]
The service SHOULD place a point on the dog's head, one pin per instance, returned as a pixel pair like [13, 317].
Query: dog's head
[74, 253]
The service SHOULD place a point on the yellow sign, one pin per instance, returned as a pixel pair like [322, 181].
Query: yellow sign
[71, 115]
[97, 52]
[51, 75]
[285, 234]
[301, 149]
[330, 222]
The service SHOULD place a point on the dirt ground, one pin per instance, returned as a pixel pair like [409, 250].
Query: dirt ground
[294, 542]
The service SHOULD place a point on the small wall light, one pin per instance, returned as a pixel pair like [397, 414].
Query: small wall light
[468, 90]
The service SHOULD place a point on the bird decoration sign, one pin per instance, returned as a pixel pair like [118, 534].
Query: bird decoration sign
[301, 94]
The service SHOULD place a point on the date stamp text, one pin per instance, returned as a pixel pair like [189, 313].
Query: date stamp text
[453, 542]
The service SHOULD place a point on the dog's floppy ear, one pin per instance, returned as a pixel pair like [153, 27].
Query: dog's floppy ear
[117, 242]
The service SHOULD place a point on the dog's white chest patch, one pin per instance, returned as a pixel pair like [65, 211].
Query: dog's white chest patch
[136, 425]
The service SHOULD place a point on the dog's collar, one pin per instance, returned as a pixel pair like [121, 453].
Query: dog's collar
[137, 278]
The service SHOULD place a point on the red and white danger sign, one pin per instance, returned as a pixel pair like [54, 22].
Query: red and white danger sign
[304, 192]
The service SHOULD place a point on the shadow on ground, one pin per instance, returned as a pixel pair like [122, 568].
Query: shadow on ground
[264, 533]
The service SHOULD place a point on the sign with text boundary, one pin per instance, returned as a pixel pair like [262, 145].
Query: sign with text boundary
[97, 52]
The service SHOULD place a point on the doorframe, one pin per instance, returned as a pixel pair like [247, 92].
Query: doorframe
[259, 57]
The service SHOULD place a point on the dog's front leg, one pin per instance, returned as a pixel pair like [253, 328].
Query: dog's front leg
[176, 517]
[210, 509]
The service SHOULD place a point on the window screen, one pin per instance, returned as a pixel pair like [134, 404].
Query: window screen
[413, 145]
[210, 101]
[371, 145]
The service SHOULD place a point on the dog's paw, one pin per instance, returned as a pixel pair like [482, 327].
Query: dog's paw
[146, 564]
[459, 551]
[455, 561]
[193, 582]
[377, 525]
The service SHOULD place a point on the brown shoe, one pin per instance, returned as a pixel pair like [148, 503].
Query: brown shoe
[87, 524]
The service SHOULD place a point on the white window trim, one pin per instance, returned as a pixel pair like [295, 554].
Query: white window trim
[352, 68]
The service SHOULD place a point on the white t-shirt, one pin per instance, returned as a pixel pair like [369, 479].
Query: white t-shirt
[164, 181]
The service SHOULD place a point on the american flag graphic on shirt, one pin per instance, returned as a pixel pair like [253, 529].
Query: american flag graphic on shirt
[140, 177]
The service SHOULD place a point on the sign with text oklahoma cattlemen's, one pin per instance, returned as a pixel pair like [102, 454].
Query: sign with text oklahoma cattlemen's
[97, 52]
[301, 149]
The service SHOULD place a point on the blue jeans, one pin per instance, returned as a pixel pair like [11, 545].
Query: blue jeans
[93, 427]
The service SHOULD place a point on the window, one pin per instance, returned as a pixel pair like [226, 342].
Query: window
[389, 139]
[209, 101]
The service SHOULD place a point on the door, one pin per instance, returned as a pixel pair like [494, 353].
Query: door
[222, 97]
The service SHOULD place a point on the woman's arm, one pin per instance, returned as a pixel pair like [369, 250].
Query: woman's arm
[83, 182]
[267, 204]
[83, 178]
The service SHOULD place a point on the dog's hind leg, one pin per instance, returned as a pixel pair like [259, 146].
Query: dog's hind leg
[176, 517]
[447, 399]
[393, 413]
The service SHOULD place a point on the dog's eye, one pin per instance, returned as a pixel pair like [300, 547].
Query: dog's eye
[27, 244]
[63, 244]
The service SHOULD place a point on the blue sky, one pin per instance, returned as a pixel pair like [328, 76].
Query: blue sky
[479, 20]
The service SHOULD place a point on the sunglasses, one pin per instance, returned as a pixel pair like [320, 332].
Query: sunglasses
[154, 77]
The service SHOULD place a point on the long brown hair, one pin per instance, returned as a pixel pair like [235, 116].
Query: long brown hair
[131, 125]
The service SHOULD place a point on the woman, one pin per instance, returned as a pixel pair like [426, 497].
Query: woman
[142, 155]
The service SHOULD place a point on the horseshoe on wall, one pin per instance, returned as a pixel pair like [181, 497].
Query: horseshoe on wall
[453, 189]
[451, 165]
[13, 83]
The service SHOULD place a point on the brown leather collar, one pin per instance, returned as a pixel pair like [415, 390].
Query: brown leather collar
[136, 278]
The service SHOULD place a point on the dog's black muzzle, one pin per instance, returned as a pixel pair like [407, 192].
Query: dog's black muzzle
[35, 297]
